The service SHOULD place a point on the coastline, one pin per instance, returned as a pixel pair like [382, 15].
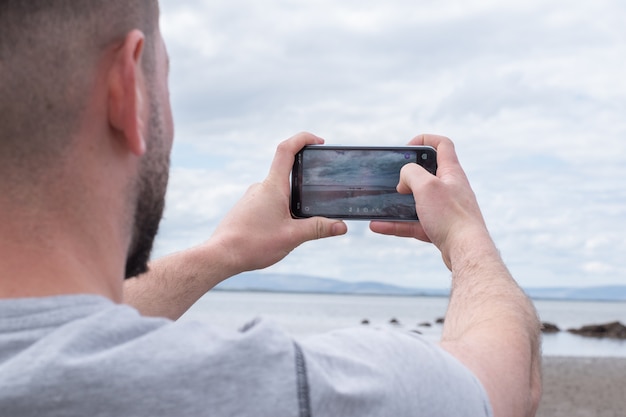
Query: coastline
[583, 387]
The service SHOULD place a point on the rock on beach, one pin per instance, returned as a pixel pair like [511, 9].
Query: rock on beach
[549, 328]
[613, 330]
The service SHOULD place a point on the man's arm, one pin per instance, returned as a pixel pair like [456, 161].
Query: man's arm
[258, 232]
[491, 326]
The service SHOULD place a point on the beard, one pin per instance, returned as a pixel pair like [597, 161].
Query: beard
[151, 187]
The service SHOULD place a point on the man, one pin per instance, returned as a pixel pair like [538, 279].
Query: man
[85, 136]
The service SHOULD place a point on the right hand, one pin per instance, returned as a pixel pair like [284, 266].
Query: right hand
[446, 205]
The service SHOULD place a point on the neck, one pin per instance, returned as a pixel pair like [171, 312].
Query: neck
[37, 272]
[47, 254]
[33, 271]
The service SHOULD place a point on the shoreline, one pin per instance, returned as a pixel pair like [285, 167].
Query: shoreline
[583, 387]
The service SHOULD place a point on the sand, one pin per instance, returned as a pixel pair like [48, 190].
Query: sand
[583, 387]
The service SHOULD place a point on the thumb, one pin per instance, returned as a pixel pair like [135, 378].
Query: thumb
[320, 227]
[410, 177]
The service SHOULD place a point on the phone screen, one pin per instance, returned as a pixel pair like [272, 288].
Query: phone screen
[355, 182]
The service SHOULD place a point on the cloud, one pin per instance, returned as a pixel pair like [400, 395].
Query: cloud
[533, 94]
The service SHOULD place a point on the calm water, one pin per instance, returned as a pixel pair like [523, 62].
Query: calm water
[305, 314]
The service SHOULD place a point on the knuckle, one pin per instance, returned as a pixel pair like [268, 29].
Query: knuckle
[319, 229]
[283, 146]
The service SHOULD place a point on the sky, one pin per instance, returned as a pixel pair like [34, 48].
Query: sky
[533, 93]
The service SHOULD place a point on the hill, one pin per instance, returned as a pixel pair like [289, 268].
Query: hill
[273, 282]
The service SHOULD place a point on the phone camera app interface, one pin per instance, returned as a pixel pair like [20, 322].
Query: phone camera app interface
[356, 183]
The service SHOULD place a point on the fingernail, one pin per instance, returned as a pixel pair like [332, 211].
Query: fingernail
[338, 229]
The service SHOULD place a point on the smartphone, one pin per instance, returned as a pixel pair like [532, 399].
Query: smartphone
[355, 182]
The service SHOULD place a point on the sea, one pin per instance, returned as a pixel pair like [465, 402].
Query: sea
[305, 314]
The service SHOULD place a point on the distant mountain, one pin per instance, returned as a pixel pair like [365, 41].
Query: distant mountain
[252, 281]
[272, 282]
[602, 293]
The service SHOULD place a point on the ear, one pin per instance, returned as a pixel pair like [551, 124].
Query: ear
[126, 89]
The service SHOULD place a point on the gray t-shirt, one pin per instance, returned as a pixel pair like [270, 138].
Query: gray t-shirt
[86, 356]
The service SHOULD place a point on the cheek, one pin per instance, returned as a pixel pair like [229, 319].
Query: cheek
[169, 123]
[167, 118]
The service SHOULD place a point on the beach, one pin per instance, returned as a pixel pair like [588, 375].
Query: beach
[583, 387]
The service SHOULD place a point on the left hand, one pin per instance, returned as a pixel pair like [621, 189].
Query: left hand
[259, 230]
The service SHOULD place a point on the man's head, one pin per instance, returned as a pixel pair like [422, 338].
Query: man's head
[51, 56]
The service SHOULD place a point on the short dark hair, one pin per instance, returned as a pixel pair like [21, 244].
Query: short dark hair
[48, 52]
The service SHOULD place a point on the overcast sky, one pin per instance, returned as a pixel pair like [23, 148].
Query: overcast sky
[532, 92]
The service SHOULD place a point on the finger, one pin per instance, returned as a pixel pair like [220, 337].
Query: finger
[320, 227]
[411, 176]
[428, 140]
[401, 229]
[447, 160]
[286, 151]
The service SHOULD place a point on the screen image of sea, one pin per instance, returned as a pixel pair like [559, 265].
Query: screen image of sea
[355, 183]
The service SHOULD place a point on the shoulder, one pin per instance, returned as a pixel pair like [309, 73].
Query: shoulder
[394, 372]
[106, 359]
[186, 345]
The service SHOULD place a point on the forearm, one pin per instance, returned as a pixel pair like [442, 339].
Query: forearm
[481, 286]
[492, 327]
[174, 283]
